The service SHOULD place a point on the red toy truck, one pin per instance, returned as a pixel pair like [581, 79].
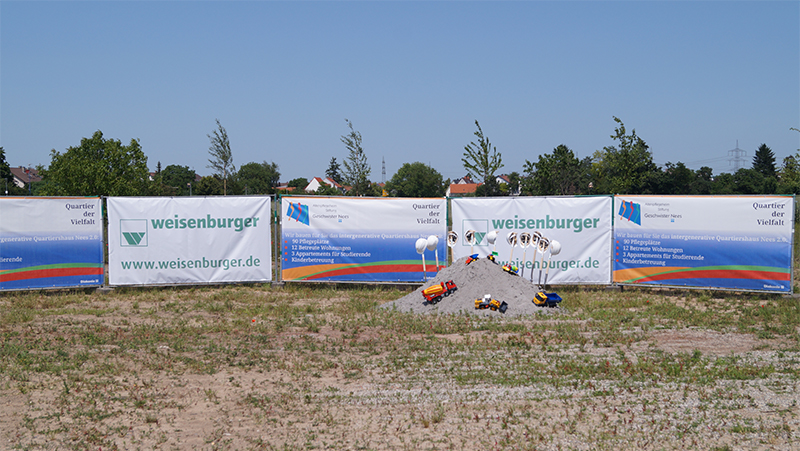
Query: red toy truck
[435, 293]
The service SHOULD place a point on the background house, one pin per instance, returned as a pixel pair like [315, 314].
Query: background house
[465, 186]
[23, 176]
[461, 189]
[317, 182]
[466, 180]
[513, 190]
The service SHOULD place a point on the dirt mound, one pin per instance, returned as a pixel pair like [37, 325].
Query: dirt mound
[475, 280]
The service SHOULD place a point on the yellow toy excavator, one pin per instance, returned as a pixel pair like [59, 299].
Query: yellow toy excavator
[492, 304]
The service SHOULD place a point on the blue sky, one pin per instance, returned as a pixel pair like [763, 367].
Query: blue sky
[691, 77]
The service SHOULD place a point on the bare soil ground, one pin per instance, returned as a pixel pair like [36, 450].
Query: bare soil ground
[207, 369]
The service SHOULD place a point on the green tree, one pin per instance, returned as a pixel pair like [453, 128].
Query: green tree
[5, 169]
[7, 185]
[210, 185]
[513, 187]
[750, 181]
[334, 171]
[374, 190]
[98, 167]
[559, 173]
[6, 177]
[764, 161]
[488, 189]
[723, 184]
[789, 175]
[258, 178]
[157, 187]
[626, 168]
[481, 161]
[176, 179]
[704, 179]
[744, 181]
[677, 179]
[770, 185]
[416, 180]
[220, 150]
[356, 168]
[299, 183]
[327, 190]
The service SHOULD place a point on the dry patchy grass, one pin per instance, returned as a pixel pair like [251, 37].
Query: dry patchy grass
[319, 367]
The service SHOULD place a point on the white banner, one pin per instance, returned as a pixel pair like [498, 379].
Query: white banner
[360, 239]
[582, 225]
[185, 240]
[50, 242]
[732, 242]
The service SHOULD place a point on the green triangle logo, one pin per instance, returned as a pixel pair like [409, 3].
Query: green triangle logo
[133, 232]
[133, 238]
[479, 237]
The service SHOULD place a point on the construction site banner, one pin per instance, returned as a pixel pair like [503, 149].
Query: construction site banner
[50, 242]
[361, 239]
[188, 240]
[726, 242]
[581, 226]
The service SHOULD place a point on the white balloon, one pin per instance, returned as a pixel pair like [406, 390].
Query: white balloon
[421, 244]
[555, 247]
[433, 241]
[491, 237]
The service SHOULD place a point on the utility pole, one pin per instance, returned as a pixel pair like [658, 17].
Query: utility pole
[738, 155]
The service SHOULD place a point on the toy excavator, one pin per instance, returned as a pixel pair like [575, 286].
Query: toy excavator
[472, 258]
[492, 304]
[435, 293]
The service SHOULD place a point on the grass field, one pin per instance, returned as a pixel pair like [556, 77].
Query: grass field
[320, 367]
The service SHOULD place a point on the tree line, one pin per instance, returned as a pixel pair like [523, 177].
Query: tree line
[100, 166]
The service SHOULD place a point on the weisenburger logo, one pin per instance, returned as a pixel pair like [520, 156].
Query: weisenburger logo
[133, 232]
[481, 228]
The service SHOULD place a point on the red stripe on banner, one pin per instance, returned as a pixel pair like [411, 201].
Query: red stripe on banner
[369, 270]
[55, 272]
[718, 274]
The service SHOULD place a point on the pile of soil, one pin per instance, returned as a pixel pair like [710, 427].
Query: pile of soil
[474, 280]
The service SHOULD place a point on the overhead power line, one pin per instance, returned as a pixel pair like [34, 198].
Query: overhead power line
[738, 157]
